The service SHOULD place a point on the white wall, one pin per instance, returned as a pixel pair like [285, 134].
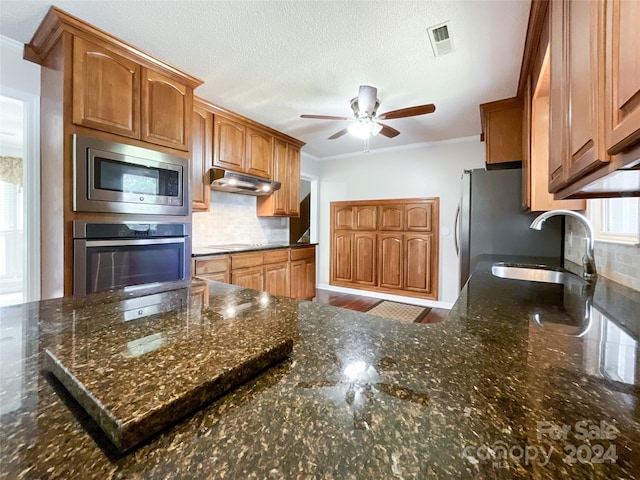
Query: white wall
[15, 72]
[426, 170]
[309, 165]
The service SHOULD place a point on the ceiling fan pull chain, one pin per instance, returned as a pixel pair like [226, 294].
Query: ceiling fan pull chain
[366, 145]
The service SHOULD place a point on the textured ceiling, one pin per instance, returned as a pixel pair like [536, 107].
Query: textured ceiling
[274, 60]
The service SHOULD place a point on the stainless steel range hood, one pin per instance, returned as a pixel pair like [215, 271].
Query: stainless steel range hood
[232, 182]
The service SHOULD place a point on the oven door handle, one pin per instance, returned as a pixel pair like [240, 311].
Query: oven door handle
[133, 242]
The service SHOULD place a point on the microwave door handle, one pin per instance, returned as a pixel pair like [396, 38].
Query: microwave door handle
[137, 241]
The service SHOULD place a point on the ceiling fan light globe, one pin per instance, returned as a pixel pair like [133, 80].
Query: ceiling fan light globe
[360, 129]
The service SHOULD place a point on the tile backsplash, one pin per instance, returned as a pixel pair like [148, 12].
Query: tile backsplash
[618, 262]
[232, 219]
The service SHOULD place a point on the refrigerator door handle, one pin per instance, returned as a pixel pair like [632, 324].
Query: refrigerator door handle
[456, 230]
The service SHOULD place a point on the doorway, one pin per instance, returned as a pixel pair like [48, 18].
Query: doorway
[19, 198]
[303, 229]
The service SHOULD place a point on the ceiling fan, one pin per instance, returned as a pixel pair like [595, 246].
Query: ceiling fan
[365, 107]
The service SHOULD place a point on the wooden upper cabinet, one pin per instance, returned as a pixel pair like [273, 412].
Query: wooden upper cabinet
[502, 128]
[259, 153]
[535, 166]
[349, 217]
[292, 180]
[166, 110]
[623, 71]
[114, 94]
[201, 156]
[106, 89]
[279, 199]
[418, 217]
[557, 98]
[419, 262]
[576, 103]
[365, 217]
[391, 217]
[585, 63]
[343, 217]
[286, 170]
[229, 143]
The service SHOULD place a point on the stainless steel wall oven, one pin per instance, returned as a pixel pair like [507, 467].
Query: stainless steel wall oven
[113, 255]
[117, 178]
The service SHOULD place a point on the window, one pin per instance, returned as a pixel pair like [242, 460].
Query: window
[615, 219]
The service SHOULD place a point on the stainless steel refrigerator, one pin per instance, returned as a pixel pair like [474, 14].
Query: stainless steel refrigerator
[490, 220]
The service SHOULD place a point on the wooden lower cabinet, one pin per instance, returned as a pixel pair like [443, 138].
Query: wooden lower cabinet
[406, 262]
[286, 272]
[303, 273]
[391, 260]
[418, 263]
[401, 263]
[365, 258]
[252, 277]
[342, 257]
[276, 272]
[276, 279]
[218, 277]
[216, 268]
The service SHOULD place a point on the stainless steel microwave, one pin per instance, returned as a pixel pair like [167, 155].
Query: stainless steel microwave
[118, 178]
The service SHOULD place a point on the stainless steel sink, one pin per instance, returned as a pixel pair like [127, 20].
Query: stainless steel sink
[533, 273]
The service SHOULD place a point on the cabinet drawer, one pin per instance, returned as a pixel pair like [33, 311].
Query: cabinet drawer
[276, 256]
[218, 276]
[246, 260]
[213, 265]
[302, 253]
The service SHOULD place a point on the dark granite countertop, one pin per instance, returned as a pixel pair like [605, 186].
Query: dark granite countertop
[493, 391]
[212, 250]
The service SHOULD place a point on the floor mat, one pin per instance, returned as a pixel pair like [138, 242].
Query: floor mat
[399, 311]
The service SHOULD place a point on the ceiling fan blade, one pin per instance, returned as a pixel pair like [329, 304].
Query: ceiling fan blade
[408, 112]
[338, 134]
[367, 98]
[388, 131]
[325, 117]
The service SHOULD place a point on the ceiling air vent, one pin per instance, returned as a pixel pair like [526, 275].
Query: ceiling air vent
[440, 40]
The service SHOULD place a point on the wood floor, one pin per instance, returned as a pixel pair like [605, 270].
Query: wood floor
[361, 303]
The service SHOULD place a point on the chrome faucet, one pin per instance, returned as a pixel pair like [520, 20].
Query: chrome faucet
[588, 261]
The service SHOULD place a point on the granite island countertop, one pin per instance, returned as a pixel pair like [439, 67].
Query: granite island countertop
[366, 397]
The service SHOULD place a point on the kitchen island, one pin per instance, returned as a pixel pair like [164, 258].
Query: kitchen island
[493, 391]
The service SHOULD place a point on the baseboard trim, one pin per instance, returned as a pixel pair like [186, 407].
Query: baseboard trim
[387, 296]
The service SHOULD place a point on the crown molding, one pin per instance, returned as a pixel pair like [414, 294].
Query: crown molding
[12, 44]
